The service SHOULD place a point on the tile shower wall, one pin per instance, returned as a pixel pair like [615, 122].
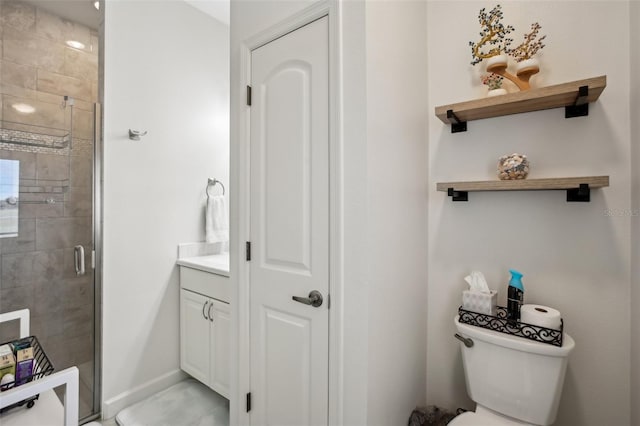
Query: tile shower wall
[37, 267]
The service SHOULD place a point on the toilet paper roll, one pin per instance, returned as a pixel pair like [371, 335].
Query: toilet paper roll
[542, 316]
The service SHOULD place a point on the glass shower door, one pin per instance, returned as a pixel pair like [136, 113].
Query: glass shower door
[48, 92]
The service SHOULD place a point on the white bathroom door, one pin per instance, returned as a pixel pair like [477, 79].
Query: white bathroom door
[290, 229]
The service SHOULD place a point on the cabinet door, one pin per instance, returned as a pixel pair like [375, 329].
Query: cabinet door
[195, 335]
[220, 347]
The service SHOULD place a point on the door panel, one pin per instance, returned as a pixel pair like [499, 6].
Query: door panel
[289, 228]
[286, 99]
[288, 372]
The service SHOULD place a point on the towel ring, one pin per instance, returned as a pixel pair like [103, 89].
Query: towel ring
[214, 182]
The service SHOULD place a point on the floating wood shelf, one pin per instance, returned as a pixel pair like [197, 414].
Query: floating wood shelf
[578, 188]
[574, 96]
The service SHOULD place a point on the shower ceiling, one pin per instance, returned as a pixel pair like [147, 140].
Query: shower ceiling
[80, 11]
[83, 11]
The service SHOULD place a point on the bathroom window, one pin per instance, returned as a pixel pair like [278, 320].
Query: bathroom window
[9, 189]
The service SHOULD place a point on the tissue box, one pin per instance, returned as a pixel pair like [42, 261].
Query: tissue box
[484, 303]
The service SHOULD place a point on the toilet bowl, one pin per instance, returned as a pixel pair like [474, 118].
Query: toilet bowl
[513, 381]
[484, 417]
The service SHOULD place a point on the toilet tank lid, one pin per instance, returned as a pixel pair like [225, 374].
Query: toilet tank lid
[514, 342]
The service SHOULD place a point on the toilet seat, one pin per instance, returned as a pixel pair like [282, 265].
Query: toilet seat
[483, 417]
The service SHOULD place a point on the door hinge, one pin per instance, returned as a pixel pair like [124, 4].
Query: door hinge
[328, 301]
[248, 251]
[248, 402]
[249, 95]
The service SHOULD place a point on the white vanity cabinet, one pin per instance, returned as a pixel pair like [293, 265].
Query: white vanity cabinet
[205, 323]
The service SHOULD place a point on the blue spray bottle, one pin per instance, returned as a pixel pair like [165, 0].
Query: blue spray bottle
[515, 295]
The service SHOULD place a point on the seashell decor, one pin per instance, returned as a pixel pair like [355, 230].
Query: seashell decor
[514, 166]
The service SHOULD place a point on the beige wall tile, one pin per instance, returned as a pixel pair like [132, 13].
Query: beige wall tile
[18, 92]
[84, 105]
[82, 124]
[47, 325]
[62, 85]
[62, 232]
[24, 242]
[18, 75]
[51, 98]
[18, 15]
[41, 209]
[25, 48]
[48, 297]
[80, 65]
[46, 114]
[55, 28]
[81, 175]
[79, 200]
[15, 298]
[82, 148]
[17, 270]
[54, 167]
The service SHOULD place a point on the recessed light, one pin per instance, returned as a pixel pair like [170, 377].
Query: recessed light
[75, 44]
[24, 108]
[96, 4]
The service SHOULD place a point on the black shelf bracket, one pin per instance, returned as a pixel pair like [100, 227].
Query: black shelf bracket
[580, 107]
[457, 195]
[582, 194]
[456, 124]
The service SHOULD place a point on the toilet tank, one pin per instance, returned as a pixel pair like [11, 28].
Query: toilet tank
[514, 376]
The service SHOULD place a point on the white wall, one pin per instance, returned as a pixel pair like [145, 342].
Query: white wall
[573, 256]
[165, 72]
[397, 208]
[635, 216]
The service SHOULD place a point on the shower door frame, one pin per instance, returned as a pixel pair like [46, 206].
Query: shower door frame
[96, 262]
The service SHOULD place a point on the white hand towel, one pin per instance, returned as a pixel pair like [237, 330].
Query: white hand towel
[216, 222]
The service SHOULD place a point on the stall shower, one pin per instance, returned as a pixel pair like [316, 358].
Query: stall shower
[48, 93]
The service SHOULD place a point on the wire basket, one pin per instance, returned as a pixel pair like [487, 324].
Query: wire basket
[501, 324]
[41, 367]
[33, 135]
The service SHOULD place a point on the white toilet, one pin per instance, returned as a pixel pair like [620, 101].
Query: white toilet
[513, 380]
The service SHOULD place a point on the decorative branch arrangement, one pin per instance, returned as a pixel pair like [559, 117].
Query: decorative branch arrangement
[530, 46]
[493, 32]
[494, 37]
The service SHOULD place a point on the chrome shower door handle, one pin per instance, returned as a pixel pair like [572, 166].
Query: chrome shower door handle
[314, 299]
[78, 258]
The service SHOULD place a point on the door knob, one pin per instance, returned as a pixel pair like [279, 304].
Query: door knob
[314, 299]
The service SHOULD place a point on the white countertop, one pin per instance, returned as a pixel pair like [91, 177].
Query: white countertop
[213, 263]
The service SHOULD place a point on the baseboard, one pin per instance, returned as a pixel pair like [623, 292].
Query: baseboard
[112, 406]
